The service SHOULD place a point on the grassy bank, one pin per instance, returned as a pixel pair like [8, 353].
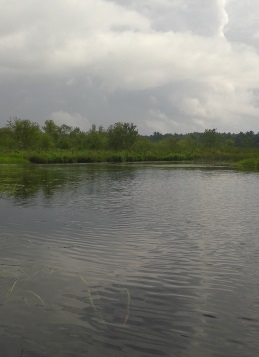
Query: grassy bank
[89, 156]
[250, 163]
[10, 158]
[92, 156]
[241, 158]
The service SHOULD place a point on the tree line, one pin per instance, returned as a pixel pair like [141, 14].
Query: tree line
[23, 134]
[53, 143]
[212, 138]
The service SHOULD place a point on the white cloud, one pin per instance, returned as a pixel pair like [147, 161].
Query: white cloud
[159, 121]
[193, 106]
[70, 119]
[106, 48]
[128, 59]
[58, 35]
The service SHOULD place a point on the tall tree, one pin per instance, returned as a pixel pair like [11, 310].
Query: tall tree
[211, 139]
[121, 136]
[25, 133]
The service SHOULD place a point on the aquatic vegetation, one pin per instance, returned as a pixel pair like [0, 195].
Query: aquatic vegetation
[92, 304]
[37, 296]
[27, 283]
[9, 292]
[10, 158]
[65, 156]
[252, 163]
[22, 141]
[89, 293]
[12, 287]
[128, 305]
[90, 296]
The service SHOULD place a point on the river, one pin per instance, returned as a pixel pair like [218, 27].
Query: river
[128, 260]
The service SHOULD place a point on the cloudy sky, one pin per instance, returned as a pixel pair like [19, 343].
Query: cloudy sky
[166, 65]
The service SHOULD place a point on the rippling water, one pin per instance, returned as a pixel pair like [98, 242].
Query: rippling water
[135, 260]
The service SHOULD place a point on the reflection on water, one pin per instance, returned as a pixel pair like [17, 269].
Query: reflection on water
[134, 260]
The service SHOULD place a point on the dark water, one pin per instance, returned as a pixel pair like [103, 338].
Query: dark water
[103, 260]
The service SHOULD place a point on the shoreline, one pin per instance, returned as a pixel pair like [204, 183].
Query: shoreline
[91, 157]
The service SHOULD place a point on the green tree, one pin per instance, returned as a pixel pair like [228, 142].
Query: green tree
[59, 136]
[156, 136]
[25, 133]
[121, 136]
[211, 139]
[142, 144]
[76, 138]
[95, 139]
[52, 130]
[64, 140]
[7, 141]
[249, 139]
[187, 144]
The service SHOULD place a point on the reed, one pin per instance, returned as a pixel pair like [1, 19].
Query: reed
[252, 163]
[91, 300]
[92, 294]
[10, 291]
[89, 293]
[37, 296]
[128, 306]
[152, 153]
[12, 288]
[10, 158]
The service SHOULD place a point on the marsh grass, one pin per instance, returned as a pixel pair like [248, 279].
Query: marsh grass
[91, 300]
[92, 304]
[26, 301]
[92, 156]
[153, 153]
[22, 289]
[10, 291]
[252, 163]
[37, 296]
[89, 293]
[128, 306]
[10, 158]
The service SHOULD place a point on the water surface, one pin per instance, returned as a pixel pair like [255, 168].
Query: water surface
[128, 260]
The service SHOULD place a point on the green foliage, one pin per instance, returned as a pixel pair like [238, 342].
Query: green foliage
[211, 139]
[25, 133]
[51, 130]
[7, 140]
[58, 136]
[156, 136]
[121, 136]
[142, 144]
[95, 139]
[24, 141]
[13, 158]
[252, 163]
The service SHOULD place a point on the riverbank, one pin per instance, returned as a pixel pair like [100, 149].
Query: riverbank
[87, 156]
[238, 158]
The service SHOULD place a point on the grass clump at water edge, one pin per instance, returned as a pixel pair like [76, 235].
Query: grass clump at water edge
[251, 163]
[10, 158]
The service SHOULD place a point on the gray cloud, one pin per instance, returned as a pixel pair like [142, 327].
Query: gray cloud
[206, 18]
[164, 65]
[243, 22]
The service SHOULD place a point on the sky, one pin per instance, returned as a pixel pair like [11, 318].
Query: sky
[165, 65]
